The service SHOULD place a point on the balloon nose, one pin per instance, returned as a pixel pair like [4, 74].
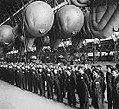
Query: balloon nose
[42, 31]
[74, 32]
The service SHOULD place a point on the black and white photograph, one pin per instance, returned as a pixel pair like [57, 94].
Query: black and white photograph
[59, 54]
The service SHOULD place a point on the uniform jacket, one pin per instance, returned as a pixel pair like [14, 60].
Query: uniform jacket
[109, 81]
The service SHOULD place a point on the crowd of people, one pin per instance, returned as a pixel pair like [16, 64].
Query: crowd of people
[58, 81]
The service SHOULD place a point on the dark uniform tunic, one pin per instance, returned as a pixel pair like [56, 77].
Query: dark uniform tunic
[34, 81]
[49, 80]
[40, 83]
[98, 92]
[25, 78]
[29, 78]
[102, 74]
[11, 75]
[71, 86]
[19, 77]
[57, 87]
[82, 90]
[109, 81]
[88, 72]
[116, 93]
[63, 77]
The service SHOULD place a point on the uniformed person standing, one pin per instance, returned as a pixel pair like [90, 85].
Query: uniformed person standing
[109, 81]
[82, 87]
[29, 78]
[63, 77]
[23, 77]
[115, 94]
[88, 72]
[34, 80]
[49, 81]
[57, 85]
[98, 89]
[71, 86]
[92, 68]
[18, 77]
[40, 81]
[11, 74]
[99, 67]
[1, 71]
[44, 73]
[6, 77]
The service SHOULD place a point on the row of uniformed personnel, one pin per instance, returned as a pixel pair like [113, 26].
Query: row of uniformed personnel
[59, 80]
[112, 83]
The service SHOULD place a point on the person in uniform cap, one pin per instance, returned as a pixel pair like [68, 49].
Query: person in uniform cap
[44, 73]
[15, 73]
[88, 72]
[63, 77]
[25, 70]
[71, 86]
[99, 67]
[82, 87]
[40, 81]
[57, 85]
[1, 71]
[49, 81]
[98, 89]
[23, 77]
[109, 81]
[11, 74]
[6, 73]
[34, 80]
[92, 68]
[29, 77]
[19, 76]
[115, 94]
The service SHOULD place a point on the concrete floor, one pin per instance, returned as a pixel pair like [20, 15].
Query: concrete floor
[14, 98]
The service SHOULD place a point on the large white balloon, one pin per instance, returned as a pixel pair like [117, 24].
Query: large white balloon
[39, 18]
[70, 21]
[6, 35]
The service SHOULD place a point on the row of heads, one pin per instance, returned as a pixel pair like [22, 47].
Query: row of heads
[114, 70]
[58, 66]
[46, 66]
